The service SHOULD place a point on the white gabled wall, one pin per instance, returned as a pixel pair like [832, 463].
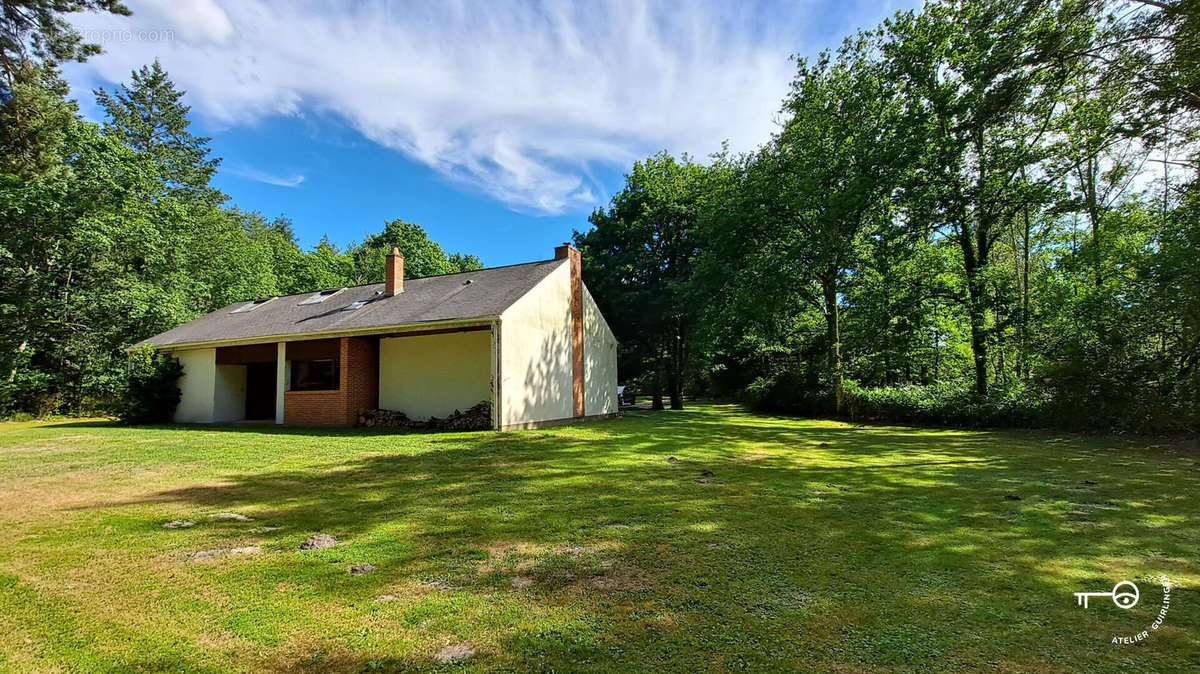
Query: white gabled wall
[599, 360]
[535, 353]
[197, 385]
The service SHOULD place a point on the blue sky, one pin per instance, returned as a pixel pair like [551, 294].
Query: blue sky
[496, 126]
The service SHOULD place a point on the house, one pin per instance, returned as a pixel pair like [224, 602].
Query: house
[526, 338]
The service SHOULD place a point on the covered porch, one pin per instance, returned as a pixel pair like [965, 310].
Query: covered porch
[328, 382]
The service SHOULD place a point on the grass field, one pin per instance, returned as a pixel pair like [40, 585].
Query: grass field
[813, 545]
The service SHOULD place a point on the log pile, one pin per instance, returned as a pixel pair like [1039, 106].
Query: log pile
[384, 419]
[477, 418]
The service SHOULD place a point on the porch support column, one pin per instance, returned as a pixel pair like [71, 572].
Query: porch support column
[280, 379]
[497, 415]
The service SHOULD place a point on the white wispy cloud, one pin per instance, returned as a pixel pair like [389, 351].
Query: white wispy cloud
[251, 173]
[517, 101]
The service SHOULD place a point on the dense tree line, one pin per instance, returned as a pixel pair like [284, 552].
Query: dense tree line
[984, 211]
[111, 233]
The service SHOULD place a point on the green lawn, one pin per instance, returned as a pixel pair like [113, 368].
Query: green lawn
[814, 545]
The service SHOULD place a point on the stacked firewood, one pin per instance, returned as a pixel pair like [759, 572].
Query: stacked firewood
[384, 419]
[476, 418]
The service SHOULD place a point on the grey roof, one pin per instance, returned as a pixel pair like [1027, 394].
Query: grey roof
[452, 297]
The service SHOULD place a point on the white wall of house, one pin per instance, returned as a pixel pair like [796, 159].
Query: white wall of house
[209, 393]
[535, 353]
[599, 360]
[433, 375]
[197, 385]
[229, 394]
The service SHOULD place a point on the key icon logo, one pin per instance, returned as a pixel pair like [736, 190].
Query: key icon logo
[1124, 594]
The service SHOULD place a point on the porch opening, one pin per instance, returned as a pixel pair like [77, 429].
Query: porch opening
[245, 383]
[260, 391]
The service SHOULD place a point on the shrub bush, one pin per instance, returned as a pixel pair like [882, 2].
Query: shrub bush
[947, 404]
[789, 392]
[29, 393]
[151, 390]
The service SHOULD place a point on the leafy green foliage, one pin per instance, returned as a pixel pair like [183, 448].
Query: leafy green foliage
[422, 255]
[818, 193]
[952, 404]
[148, 116]
[35, 31]
[110, 237]
[982, 213]
[984, 81]
[638, 261]
[151, 389]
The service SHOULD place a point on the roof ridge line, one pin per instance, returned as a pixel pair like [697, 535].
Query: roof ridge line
[379, 283]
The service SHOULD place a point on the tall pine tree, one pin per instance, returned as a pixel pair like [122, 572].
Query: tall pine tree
[148, 116]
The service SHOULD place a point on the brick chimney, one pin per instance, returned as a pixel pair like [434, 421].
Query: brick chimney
[565, 251]
[571, 253]
[394, 285]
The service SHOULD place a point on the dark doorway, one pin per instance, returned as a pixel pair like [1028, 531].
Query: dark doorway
[260, 391]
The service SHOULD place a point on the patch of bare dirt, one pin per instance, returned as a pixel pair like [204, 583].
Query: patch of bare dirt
[619, 579]
[454, 653]
[578, 550]
[207, 554]
[231, 517]
[318, 542]
[221, 552]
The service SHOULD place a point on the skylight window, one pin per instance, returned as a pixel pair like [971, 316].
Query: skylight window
[251, 306]
[317, 298]
[354, 305]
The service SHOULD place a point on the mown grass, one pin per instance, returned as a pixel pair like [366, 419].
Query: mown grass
[813, 546]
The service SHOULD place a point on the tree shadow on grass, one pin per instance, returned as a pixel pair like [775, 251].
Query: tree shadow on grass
[871, 553]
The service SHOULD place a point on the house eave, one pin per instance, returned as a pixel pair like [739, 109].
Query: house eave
[326, 334]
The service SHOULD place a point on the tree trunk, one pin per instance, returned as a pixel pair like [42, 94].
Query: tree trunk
[975, 247]
[656, 402]
[937, 344]
[676, 396]
[978, 331]
[1025, 371]
[1093, 211]
[675, 373]
[833, 327]
[973, 262]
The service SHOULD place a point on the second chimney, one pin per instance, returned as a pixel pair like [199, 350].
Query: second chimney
[394, 284]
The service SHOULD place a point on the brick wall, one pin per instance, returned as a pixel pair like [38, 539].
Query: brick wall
[358, 388]
[314, 408]
[361, 380]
